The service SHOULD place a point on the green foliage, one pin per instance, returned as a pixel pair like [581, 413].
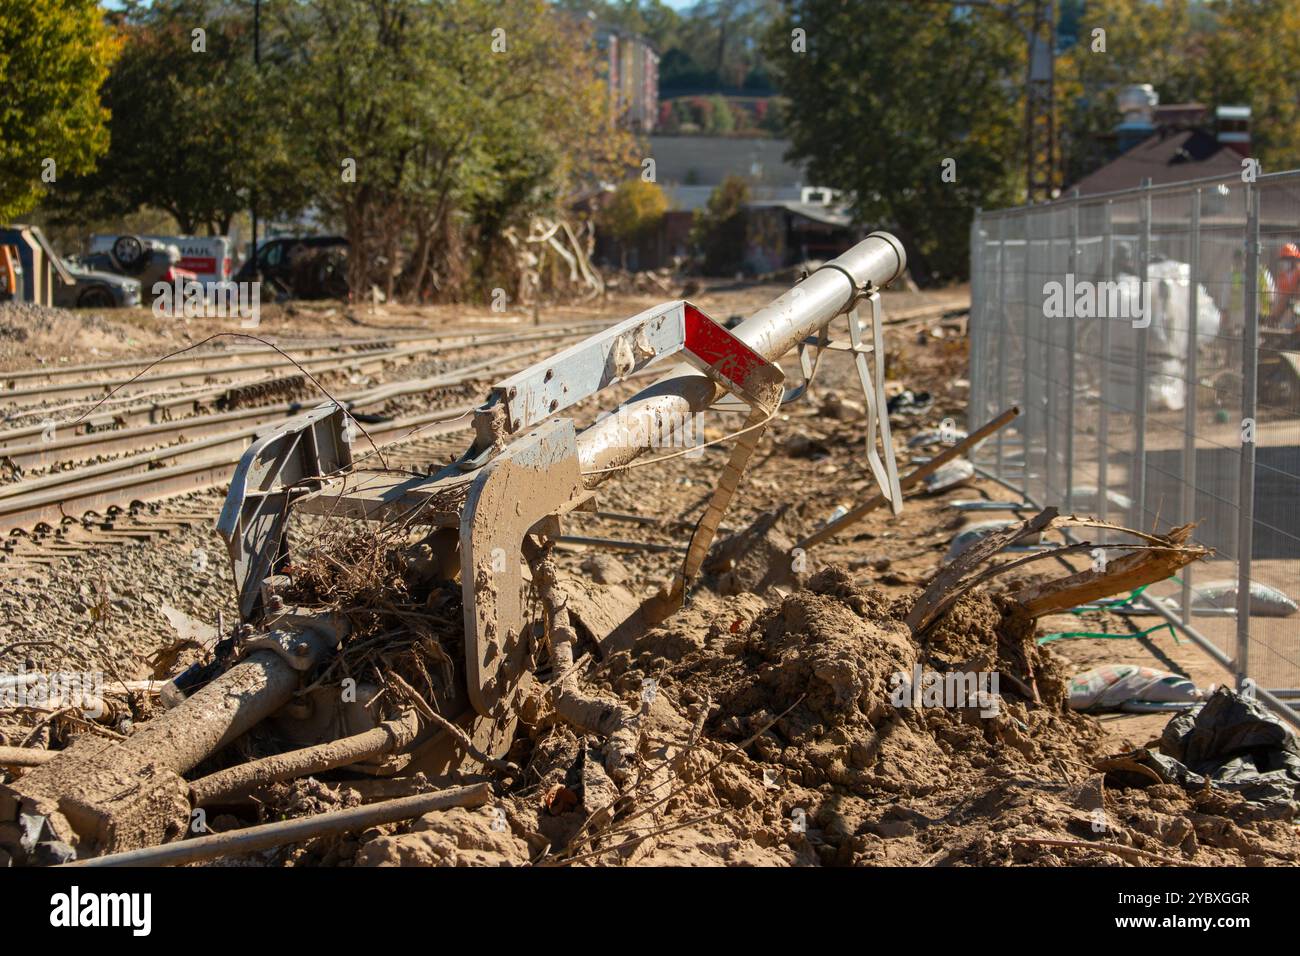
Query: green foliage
[711, 46]
[1240, 52]
[635, 209]
[196, 127]
[1253, 58]
[461, 117]
[54, 54]
[722, 122]
[718, 232]
[1145, 43]
[885, 93]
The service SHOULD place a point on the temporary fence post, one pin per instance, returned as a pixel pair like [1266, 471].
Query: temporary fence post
[1246, 477]
[1138, 477]
[1190, 402]
[1071, 341]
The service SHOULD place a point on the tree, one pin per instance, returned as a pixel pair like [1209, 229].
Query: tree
[444, 122]
[1143, 43]
[722, 121]
[54, 55]
[196, 126]
[636, 209]
[718, 232]
[917, 115]
[1252, 57]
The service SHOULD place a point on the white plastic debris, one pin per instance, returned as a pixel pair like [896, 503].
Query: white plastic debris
[1134, 689]
[952, 475]
[1265, 601]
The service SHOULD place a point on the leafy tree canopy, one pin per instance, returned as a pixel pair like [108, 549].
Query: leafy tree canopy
[54, 55]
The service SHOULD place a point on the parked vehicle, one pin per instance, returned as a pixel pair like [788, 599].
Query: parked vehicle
[143, 260]
[206, 257]
[93, 289]
[308, 267]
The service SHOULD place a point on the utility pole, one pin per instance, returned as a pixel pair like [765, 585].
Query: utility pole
[257, 63]
[1041, 177]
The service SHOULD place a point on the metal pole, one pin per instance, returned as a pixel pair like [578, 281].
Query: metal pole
[1031, 412]
[1103, 409]
[1047, 341]
[771, 331]
[1189, 410]
[268, 835]
[975, 325]
[257, 62]
[1246, 477]
[1002, 336]
[1138, 476]
[1071, 342]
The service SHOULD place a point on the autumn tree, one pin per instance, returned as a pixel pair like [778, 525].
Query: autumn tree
[635, 210]
[196, 126]
[54, 55]
[442, 123]
[717, 236]
[914, 109]
[1121, 42]
[1252, 57]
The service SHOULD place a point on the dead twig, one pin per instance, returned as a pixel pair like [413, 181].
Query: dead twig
[1115, 848]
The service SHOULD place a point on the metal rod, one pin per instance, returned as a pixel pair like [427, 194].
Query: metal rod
[270, 835]
[386, 738]
[912, 478]
[772, 331]
[1026, 393]
[1246, 477]
[1072, 341]
[1191, 401]
[1138, 474]
[1279, 706]
[1002, 340]
[1103, 409]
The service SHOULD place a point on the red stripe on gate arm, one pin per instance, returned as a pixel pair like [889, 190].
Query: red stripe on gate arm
[717, 347]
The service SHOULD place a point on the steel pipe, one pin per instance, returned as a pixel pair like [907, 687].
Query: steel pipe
[772, 331]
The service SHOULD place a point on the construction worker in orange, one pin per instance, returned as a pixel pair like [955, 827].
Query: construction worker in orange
[1288, 288]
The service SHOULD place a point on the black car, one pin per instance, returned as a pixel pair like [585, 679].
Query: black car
[308, 267]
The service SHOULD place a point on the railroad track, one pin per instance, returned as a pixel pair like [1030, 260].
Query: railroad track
[38, 386]
[30, 448]
[91, 519]
[72, 510]
[167, 459]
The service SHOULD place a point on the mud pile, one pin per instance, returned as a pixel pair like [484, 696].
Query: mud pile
[791, 733]
[788, 734]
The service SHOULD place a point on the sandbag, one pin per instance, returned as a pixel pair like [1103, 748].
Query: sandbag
[1133, 689]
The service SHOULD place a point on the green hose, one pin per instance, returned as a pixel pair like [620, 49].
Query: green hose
[1067, 635]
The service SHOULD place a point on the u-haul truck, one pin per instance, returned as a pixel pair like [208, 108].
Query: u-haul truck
[208, 257]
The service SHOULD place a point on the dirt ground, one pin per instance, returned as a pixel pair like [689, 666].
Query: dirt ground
[765, 730]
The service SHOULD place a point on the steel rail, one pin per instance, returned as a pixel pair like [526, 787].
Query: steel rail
[192, 466]
[97, 432]
[238, 369]
[295, 347]
[41, 454]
